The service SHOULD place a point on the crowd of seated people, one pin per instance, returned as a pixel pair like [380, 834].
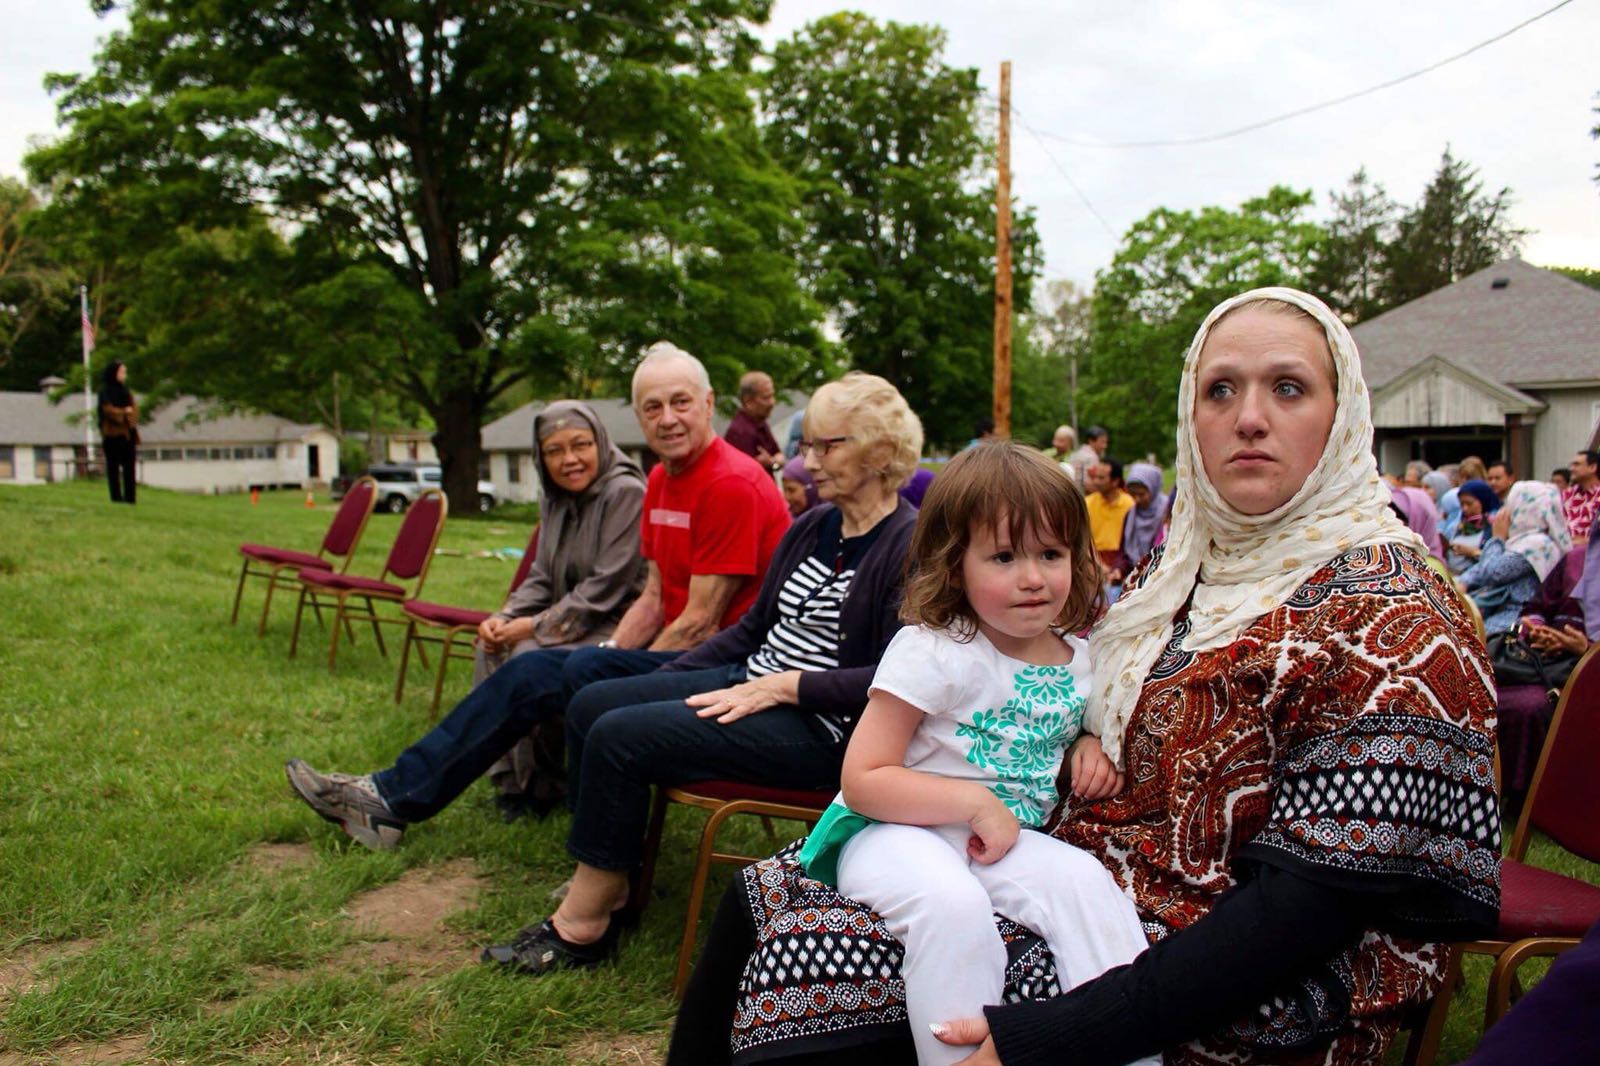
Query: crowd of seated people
[725, 618]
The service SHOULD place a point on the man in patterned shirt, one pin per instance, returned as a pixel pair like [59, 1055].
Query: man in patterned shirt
[1581, 499]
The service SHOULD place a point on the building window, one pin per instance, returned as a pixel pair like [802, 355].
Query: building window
[411, 450]
[513, 467]
[243, 453]
[8, 462]
[41, 464]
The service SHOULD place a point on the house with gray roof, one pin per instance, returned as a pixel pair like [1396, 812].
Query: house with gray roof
[508, 441]
[191, 445]
[1503, 363]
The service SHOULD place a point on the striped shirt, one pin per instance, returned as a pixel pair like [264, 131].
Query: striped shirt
[806, 634]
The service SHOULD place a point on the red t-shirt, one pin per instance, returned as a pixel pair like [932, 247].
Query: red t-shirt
[723, 515]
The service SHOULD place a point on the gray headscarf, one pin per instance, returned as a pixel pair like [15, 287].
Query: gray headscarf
[588, 567]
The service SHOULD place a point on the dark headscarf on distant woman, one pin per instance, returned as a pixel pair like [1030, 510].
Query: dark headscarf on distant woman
[795, 470]
[1480, 491]
[588, 567]
[114, 393]
[1143, 524]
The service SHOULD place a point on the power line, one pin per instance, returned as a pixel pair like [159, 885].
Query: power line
[1062, 170]
[1324, 105]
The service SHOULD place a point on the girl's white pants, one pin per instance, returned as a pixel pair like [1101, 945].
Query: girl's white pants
[940, 903]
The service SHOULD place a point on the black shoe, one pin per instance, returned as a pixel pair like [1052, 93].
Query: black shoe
[514, 806]
[538, 949]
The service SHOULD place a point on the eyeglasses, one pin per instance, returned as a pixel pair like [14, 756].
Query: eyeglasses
[821, 446]
[580, 446]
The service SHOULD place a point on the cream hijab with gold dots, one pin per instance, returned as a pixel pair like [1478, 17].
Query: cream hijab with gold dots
[1242, 566]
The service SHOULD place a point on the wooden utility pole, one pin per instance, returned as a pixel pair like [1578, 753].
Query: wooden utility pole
[1002, 264]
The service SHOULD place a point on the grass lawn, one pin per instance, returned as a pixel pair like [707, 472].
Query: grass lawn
[163, 897]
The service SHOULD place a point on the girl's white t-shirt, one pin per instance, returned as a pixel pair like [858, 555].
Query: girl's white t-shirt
[988, 717]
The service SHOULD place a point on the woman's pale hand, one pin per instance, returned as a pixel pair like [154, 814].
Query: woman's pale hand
[749, 697]
[1471, 551]
[1094, 776]
[964, 1032]
[1500, 524]
[994, 830]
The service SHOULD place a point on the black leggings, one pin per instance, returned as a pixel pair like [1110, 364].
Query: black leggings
[120, 457]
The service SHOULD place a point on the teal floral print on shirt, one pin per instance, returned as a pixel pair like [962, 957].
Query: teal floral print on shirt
[1022, 742]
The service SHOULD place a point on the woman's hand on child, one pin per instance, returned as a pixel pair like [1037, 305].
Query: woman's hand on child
[994, 830]
[965, 1032]
[1094, 776]
[749, 697]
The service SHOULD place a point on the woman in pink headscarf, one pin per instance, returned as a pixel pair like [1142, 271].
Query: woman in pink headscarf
[1416, 506]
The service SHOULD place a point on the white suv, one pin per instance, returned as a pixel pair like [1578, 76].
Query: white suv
[401, 483]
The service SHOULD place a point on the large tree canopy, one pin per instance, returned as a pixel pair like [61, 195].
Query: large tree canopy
[900, 221]
[437, 199]
[1172, 268]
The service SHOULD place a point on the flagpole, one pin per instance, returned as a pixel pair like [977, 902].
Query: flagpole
[88, 402]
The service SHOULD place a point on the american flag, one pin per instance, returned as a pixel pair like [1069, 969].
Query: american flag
[88, 332]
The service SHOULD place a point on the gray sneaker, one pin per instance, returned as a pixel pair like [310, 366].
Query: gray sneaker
[352, 802]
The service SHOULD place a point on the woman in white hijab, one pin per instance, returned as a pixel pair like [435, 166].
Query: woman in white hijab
[1287, 686]
[1528, 538]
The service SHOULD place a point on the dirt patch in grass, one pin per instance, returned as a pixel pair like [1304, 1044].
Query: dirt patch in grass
[276, 858]
[129, 1048]
[19, 972]
[401, 926]
[628, 1049]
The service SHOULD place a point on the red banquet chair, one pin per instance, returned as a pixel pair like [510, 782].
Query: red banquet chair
[408, 561]
[723, 799]
[454, 621]
[1543, 913]
[338, 543]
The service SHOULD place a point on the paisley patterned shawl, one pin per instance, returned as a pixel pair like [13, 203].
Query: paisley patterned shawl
[1346, 736]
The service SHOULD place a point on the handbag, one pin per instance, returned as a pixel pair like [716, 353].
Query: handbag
[1516, 662]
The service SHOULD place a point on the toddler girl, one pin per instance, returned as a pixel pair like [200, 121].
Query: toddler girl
[972, 708]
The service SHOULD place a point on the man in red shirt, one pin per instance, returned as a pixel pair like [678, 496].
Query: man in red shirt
[749, 431]
[1581, 500]
[712, 518]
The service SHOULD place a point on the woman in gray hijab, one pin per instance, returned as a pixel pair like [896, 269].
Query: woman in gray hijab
[586, 572]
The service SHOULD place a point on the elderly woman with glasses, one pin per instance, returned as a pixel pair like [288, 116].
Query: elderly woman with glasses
[770, 700]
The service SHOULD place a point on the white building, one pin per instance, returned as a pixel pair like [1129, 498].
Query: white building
[190, 445]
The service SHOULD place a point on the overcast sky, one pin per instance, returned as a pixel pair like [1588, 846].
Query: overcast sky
[1094, 71]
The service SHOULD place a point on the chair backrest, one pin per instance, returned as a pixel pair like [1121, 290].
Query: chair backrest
[1471, 607]
[526, 563]
[412, 551]
[350, 520]
[1564, 799]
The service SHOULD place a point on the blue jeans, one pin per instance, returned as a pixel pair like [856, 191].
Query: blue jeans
[529, 688]
[623, 736]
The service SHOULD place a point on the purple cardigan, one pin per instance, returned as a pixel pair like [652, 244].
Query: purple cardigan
[868, 619]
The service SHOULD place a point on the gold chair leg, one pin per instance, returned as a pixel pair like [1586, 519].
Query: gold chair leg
[333, 642]
[299, 609]
[444, 665]
[238, 593]
[377, 630]
[1423, 1045]
[697, 894]
[405, 657]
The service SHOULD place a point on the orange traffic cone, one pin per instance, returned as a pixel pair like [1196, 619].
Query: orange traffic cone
[311, 499]
[255, 496]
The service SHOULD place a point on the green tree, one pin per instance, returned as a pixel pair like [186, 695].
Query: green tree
[899, 220]
[1455, 231]
[464, 196]
[1349, 269]
[1172, 268]
[34, 293]
[1050, 344]
[1584, 275]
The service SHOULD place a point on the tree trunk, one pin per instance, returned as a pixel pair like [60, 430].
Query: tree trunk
[460, 448]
